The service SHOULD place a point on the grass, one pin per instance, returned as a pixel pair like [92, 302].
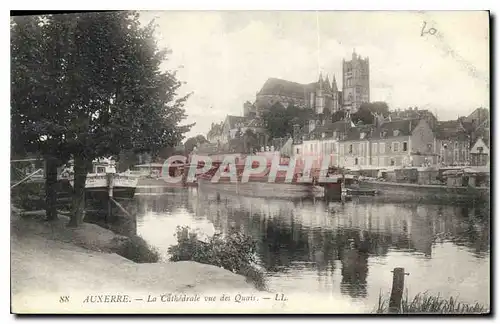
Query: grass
[138, 250]
[423, 303]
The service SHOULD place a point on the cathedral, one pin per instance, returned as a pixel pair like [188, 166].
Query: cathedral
[322, 96]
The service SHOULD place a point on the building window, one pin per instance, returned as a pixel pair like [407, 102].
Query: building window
[395, 147]
[405, 146]
[395, 132]
[311, 147]
[382, 148]
[374, 148]
[392, 162]
[356, 161]
[298, 151]
[456, 145]
[350, 148]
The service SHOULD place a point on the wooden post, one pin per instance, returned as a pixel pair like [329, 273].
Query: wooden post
[398, 281]
[109, 178]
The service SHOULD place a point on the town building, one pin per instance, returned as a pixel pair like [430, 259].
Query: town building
[236, 126]
[452, 143]
[321, 139]
[399, 143]
[214, 135]
[415, 113]
[480, 152]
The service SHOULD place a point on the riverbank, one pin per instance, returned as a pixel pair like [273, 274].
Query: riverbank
[55, 269]
[49, 260]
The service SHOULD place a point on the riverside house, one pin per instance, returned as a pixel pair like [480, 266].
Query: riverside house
[452, 143]
[480, 152]
[398, 143]
[322, 139]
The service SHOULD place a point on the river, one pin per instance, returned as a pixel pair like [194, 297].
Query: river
[302, 244]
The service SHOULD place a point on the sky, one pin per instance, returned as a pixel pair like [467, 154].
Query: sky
[432, 60]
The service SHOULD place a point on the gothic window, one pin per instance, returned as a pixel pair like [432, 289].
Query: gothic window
[396, 132]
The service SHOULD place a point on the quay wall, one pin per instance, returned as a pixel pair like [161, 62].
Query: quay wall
[431, 193]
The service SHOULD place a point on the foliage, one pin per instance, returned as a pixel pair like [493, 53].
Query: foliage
[235, 252]
[366, 111]
[251, 141]
[194, 141]
[428, 304]
[279, 120]
[138, 250]
[89, 85]
[338, 116]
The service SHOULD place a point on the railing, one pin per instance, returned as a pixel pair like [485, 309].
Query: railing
[26, 178]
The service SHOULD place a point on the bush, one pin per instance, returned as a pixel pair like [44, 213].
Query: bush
[427, 304]
[138, 250]
[235, 252]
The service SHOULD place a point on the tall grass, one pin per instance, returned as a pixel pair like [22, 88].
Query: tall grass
[423, 303]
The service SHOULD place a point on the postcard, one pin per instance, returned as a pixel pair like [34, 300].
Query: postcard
[250, 162]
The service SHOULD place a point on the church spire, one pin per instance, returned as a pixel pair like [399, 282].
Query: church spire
[328, 86]
[334, 84]
[320, 81]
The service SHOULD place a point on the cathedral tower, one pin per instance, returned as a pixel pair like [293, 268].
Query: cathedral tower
[355, 83]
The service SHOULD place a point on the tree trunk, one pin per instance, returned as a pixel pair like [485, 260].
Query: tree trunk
[78, 201]
[51, 188]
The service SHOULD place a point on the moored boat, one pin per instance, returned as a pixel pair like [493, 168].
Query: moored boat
[258, 185]
[151, 179]
[104, 178]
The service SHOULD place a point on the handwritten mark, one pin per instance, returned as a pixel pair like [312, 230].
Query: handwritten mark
[431, 31]
[447, 50]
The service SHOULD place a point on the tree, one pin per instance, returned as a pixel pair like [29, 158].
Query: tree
[194, 141]
[279, 120]
[338, 116]
[251, 141]
[366, 111]
[89, 85]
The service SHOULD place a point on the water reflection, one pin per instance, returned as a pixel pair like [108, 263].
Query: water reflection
[346, 248]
